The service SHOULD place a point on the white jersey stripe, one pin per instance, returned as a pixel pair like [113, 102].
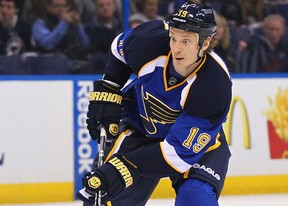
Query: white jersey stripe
[150, 66]
[172, 158]
[114, 50]
[220, 61]
[185, 91]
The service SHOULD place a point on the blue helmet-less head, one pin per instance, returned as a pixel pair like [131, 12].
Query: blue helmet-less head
[194, 18]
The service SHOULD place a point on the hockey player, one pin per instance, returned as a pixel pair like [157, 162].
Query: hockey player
[172, 113]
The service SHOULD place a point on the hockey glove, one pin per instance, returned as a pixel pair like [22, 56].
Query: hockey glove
[113, 177]
[105, 108]
[84, 195]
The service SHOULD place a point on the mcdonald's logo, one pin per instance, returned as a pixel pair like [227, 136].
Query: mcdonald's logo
[277, 123]
[278, 147]
[244, 122]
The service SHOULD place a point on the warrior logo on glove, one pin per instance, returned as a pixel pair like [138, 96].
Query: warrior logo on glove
[105, 108]
[123, 170]
[106, 97]
[94, 182]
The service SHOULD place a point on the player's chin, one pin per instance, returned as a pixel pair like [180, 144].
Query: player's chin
[179, 61]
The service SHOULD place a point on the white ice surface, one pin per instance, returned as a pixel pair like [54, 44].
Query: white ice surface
[239, 200]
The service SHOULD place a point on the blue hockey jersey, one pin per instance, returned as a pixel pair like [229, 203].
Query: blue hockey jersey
[187, 112]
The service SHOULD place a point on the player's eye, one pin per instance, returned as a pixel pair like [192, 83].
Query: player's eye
[185, 41]
[172, 39]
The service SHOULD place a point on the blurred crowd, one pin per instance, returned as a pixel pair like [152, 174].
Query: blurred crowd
[74, 36]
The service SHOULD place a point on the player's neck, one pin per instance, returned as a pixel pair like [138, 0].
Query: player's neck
[186, 71]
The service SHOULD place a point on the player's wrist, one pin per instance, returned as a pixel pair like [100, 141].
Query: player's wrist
[106, 85]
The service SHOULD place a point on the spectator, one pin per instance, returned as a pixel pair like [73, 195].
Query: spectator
[86, 9]
[277, 7]
[15, 32]
[222, 40]
[136, 20]
[232, 10]
[59, 29]
[32, 9]
[254, 11]
[167, 7]
[215, 4]
[101, 31]
[240, 37]
[148, 10]
[267, 51]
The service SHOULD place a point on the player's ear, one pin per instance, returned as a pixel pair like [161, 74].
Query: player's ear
[206, 43]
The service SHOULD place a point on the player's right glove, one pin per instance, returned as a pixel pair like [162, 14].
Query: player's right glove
[105, 108]
[113, 177]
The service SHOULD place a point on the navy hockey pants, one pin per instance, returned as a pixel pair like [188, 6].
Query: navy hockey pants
[191, 192]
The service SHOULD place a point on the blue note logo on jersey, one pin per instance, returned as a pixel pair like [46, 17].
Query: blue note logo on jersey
[156, 112]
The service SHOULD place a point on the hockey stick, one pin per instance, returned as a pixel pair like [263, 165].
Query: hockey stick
[102, 144]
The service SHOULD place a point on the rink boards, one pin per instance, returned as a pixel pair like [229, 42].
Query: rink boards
[45, 147]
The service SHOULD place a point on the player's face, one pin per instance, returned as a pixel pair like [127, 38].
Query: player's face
[184, 48]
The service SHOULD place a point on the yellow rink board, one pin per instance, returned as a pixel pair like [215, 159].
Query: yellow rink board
[37, 192]
[53, 192]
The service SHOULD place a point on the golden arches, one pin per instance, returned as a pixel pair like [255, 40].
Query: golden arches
[244, 122]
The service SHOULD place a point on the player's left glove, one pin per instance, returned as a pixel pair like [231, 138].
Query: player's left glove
[104, 107]
[113, 177]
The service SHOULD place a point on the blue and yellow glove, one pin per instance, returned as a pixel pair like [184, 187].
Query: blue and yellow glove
[111, 178]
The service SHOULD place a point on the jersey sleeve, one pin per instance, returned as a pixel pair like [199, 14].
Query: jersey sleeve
[117, 70]
[183, 146]
[187, 141]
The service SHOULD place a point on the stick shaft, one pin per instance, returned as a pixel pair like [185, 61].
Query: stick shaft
[102, 144]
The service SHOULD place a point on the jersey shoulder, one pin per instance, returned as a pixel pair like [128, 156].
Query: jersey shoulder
[209, 96]
[145, 43]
